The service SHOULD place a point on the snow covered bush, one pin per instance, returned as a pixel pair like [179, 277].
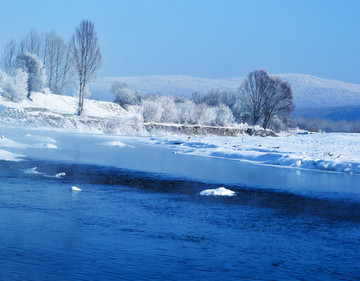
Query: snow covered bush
[32, 65]
[187, 112]
[224, 116]
[14, 88]
[124, 96]
[169, 112]
[152, 110]
[205, 115]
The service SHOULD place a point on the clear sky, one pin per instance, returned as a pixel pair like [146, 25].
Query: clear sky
[204, 38]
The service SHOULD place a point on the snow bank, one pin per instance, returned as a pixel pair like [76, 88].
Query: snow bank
[114, 143]
[9, 156]
[45, 145]
[59, 112]
[338, 152]
[221, 191]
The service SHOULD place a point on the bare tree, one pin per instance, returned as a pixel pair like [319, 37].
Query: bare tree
[31, 43]
[252, 93]
[278, 100]
[87, 57]
[265, 97]
[9, 57]
[57, 61]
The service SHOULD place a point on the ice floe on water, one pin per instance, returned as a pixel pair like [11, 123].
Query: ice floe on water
[75, 189]
[118, 144]
[8, 143]
[9, 156]
[45, 145]
[221, 191]
[39, 138]
[60, 175]
[33, 171]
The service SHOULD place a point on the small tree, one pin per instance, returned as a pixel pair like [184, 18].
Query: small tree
[87, 57]
[32, 65]
[15, 87]
[124, 96]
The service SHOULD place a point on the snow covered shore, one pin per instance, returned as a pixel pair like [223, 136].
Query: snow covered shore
[338, 152]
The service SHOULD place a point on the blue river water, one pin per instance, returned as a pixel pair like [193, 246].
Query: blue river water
[135, 220]
[128, 225]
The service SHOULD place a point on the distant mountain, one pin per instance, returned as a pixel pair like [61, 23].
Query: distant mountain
[310, 92]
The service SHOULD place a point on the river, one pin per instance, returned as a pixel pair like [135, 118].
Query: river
[139, 216]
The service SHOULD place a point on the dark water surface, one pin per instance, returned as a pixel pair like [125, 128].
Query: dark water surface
[131, 225]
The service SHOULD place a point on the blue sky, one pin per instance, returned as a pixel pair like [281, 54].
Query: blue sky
[204, 38]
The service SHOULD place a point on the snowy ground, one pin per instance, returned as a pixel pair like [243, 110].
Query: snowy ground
[332, 152]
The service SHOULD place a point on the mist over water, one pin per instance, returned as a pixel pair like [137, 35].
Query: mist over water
[130, 225]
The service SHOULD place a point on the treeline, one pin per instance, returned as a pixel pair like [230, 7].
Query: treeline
[48, 62]
[260, 100]
[48, 52]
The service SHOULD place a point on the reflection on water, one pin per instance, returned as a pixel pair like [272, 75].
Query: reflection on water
[128, 225]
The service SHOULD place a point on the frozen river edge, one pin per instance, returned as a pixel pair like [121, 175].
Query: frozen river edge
[245, 161]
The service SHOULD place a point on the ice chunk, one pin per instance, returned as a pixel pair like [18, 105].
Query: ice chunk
[75, 189]
[115, 143]
[60, 175]
[45, 145]
[33, 171]
[221, 191]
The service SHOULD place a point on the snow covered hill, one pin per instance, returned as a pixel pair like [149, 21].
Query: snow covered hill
[59, 112]
[310, 91]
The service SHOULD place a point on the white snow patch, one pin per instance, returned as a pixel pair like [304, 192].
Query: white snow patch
[115, 143]
[60, 175]
[39, 138]
[221, 191]
[9, 156]
[75, 189]
[33, 171]
[45, 145]
[8, 143]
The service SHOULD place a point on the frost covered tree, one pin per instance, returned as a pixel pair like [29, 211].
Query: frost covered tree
[58, 63]
[224, 116]
[31, 64]
[152, 110]
[87, 57]
[14, 87]
[31, 43]
[9, 57]
[124, 96]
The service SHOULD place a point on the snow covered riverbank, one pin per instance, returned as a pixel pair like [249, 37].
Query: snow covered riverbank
[338, 152]
[329, 152]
